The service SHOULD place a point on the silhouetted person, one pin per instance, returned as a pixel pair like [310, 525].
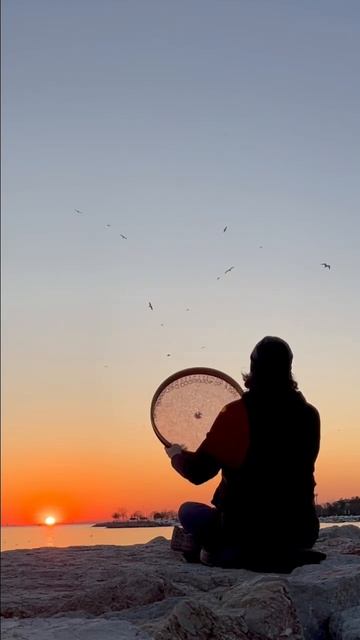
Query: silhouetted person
[265, 445]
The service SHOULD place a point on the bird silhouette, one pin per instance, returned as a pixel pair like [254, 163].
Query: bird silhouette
[325, 265]
[78, 211]
[224, 229]
[168, 355]
[107, 226]
[123, 237]
[198, 415]
[229, 269]
[151, 307]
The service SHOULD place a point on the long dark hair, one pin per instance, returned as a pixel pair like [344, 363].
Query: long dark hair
[257, 381]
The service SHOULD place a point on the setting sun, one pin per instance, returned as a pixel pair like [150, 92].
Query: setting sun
[50, 520]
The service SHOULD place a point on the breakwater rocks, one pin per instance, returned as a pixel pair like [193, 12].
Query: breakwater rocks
[335, 519]
[145, 592]
[133, 524]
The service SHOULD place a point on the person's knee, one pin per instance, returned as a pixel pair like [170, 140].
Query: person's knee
[183, 513]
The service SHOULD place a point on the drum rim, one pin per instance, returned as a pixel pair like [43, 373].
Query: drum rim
[216, 373]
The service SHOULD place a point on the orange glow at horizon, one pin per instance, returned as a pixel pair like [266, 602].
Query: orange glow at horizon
[69, 467]
[143, 481]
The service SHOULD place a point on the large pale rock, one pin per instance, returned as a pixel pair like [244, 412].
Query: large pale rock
[126, 591]
[344, 540]
[267, 607]
[70, 629]
[320, 590]
[345, 625]
[150, 591]
[45, 582]
[347, 531]
[196, 621]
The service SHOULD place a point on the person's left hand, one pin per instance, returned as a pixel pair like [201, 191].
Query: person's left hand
[174, 449]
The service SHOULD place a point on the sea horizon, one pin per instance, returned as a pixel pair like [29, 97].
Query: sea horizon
[161, 523]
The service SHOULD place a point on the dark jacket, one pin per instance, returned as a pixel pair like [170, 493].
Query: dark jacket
[268, 446]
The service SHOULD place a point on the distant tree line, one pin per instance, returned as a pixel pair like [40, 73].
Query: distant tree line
[341, 507]
[122, 514]
[164, 515]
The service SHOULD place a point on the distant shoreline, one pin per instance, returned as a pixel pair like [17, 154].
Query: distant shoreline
[339, 519]
[133, 524]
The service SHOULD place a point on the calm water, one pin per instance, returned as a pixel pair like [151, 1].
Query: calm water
[82, 534]
[75, 535]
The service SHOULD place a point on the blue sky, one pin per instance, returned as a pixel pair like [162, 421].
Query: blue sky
[168, 121]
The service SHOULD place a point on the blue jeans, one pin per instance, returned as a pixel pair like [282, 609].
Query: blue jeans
[202, 521]
[205, 525]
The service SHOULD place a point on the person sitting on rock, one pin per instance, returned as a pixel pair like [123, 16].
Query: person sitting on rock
[265, 445]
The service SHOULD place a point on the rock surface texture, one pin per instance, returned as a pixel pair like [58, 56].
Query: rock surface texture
[147, 592]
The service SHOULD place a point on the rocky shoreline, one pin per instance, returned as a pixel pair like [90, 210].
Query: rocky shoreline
[147, 592]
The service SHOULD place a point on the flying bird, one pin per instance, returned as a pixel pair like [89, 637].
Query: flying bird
[198, 415]
[224, 229]
[107, 226]
[218, 277]
[229, 269]
[123, 237]
[168, 355]
[78, 211]
[325, 265]
[151, 307]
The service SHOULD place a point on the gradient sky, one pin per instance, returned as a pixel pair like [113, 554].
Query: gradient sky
[168, 121]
